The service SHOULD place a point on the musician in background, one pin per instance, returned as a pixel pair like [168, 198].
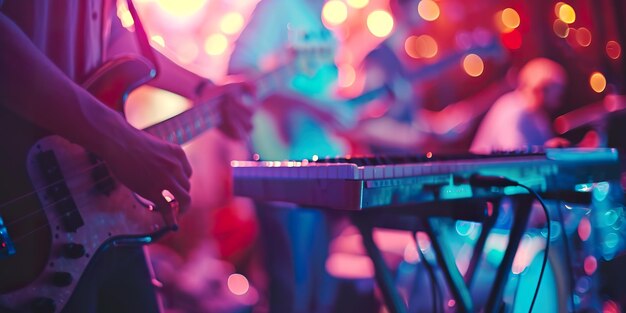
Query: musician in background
[48, 49]
[520, 119]
[295, 122]
[399, 122]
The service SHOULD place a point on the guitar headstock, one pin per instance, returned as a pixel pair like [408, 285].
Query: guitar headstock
[311, 49]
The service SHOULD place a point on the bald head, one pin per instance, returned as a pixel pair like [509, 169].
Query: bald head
[543, 80]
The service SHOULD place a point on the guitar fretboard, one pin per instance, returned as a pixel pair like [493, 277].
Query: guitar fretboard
[185, 126]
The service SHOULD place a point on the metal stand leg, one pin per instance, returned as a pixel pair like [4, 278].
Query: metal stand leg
[383, 275]
[480, 243]
[448, 267]
[523, 205]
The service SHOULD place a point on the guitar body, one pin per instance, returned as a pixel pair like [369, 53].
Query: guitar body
[59, 205]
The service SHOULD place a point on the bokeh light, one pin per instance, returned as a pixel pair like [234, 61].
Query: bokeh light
[334, 12]
[358, 4]
[597, 81]
[512, 40]
[473, 65]
[231, 23]
[410, 47]
[181, 8]
[428, 10]
[590, 265]
[124, 15]
[510, 18]
[380, 23]
[613, 49]
[584, 229]
[583, 37]
[566, 13]
[611, 306]
[560, 28]
[215, 44]
[426, 46]
[238, 284]
[158, 40]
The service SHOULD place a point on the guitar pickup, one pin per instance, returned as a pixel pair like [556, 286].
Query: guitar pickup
[7, 248]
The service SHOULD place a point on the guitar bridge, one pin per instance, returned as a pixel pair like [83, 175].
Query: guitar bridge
[6, 244]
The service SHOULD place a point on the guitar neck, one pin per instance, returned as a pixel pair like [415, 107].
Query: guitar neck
[267, 83]
[186, 126]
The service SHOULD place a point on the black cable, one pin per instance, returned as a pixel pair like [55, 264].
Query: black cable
[568, 259]
[497, 181]
[436, 290]
[546, 249]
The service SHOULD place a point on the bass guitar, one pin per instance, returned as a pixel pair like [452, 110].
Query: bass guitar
[59, 205]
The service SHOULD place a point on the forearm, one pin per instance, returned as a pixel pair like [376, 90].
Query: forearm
[34, 88]
[172, 77]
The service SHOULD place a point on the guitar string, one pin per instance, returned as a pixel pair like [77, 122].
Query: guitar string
[51, 204]
[59, 216]
[212, 120]
[211, 116]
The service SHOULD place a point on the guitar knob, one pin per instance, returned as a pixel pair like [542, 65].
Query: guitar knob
[43, 305]
[73, 250]
[62, 279]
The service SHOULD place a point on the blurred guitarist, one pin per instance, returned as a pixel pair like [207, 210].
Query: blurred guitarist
[48, 49]
[286, 41]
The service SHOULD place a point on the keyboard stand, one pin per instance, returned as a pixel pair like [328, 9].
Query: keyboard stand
[424, 220]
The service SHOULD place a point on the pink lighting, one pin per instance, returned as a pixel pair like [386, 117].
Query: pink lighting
[590, 265]
[584, 229]
[238, 284]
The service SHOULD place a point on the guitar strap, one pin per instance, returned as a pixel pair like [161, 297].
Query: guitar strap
[142, 38]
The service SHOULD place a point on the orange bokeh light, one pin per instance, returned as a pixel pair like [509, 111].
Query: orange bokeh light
[473, 65]
[597, 81]
[510, 18]
[566, 13]
[428, 10]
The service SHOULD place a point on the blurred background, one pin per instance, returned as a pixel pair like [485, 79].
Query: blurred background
[452, 56]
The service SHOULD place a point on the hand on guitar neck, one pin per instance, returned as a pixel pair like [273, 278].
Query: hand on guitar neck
[235, 108]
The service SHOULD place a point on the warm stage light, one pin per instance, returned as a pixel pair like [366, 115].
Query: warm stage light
[473, 65]
[158, 40]
[410, 47]
[358, 4]
[423, 46]
[560, 28]
[231, 23]
[426, 46]
[510, 18]
[334, 12]
[215, 44]
[428, 10]
[583, 37]
[567, 13]
[380, 23]
[181, 8]
[613, 49]
[238, 284]
[597, 81]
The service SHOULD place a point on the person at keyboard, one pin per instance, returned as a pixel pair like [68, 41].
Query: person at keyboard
[520, 118]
